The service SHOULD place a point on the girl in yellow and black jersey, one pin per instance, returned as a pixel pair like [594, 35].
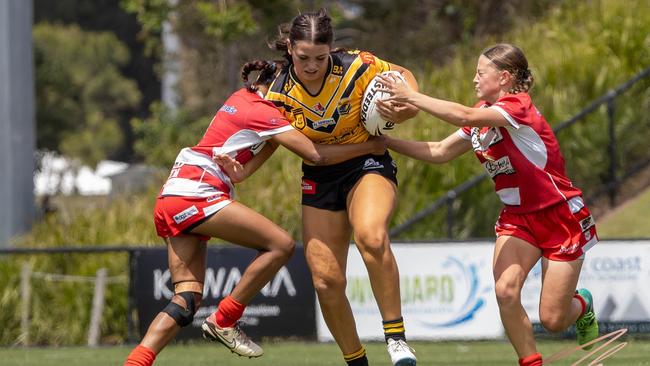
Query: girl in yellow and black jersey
[320, 91]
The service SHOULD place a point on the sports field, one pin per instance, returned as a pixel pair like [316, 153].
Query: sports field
[636, 353]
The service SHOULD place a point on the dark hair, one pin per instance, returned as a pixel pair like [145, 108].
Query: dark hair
[508, 57]
[266, 76]
[315, 27]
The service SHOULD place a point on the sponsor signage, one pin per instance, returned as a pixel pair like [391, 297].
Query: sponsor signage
[284, 307]
[446, 290]
[617, 273]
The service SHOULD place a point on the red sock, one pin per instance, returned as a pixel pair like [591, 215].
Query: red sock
[583, 303]
[532, 360]
[140, 356]
[229, 312]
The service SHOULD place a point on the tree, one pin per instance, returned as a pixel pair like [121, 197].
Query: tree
[80, 91]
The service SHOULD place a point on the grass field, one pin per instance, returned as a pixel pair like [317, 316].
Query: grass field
[636, 353]
[629, 220]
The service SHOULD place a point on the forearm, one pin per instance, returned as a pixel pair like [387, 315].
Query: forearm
[422, 150]
[257, 161]
[334, 154]
[454, 113]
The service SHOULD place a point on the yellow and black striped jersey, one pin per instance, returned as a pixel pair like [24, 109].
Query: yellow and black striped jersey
[332, 115]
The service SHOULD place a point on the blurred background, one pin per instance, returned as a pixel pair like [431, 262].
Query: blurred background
[99, 96]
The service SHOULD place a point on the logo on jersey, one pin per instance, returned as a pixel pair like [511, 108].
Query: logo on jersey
[367, 58]
[230, 109]
[288, 85]
[319, 107]
[298, 118]
[344, 106]
[323, 123]
[185, 214]
[481, 141]
[372, 164]
[308, 186]
[501, 166]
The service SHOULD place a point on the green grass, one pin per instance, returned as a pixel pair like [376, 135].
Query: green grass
[629, 220]
[314, 354]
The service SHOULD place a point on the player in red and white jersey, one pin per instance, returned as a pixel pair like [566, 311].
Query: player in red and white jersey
[544, 215]
[196, 203]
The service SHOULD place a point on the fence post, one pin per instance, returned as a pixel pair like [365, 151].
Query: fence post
[26, 293]
[131, 311]
[612, 185]
[98, 308]
[451, 198]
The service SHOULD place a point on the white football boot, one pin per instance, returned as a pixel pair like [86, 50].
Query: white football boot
[233, 338]
[400, 353]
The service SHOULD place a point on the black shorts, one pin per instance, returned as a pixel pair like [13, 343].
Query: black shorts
[327, 187]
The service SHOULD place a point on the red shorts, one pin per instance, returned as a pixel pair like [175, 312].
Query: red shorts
[564, 232]
[176, 215]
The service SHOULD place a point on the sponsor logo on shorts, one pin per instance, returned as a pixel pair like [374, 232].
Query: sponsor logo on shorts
[212, 198]
[501, 166]
[371, 163]
[308, 186]
[587, 223]
[569, 249]
[185, 214]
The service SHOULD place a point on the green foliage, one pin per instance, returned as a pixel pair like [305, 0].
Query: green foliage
[81, 93]
[164, 133]
[226, 22]
[573, 65]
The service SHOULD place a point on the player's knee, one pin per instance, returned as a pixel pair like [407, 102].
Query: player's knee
[552, 321]
[372, 243]
[183, 306]
[507, 293]
[329, 286]
[286, 248]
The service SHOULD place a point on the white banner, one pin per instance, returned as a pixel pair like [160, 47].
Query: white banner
[448, 292]
[617, 273]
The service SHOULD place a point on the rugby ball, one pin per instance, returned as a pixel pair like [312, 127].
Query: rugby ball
[370, 117]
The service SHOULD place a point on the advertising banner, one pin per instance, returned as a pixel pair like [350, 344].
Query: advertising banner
[618, 275]
[446, 290]
[284, 308]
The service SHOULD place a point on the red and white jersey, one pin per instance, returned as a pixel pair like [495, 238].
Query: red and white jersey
[524, 158]
[239, 129]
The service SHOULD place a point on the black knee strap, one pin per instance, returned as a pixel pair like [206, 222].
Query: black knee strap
[182, 316]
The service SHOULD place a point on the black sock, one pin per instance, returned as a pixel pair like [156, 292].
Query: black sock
[357, 358]
[394, 329]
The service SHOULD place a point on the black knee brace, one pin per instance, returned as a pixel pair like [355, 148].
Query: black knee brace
[182, 316]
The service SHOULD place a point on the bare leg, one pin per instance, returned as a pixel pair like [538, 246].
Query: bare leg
[241, 225]
[558, 308]
[370, 206]
[513, 259]
[326, 235]
[186, 255]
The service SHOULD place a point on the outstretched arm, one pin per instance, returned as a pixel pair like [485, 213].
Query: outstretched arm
[451, 112]
[321, 154]
[436, 152]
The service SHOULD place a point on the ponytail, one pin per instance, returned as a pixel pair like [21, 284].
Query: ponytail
[267, 73]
